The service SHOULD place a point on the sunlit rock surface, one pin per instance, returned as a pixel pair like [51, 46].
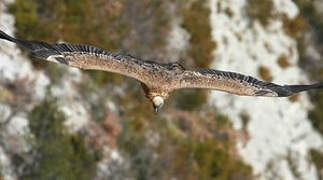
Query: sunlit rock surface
[280, 135]
[15, 68]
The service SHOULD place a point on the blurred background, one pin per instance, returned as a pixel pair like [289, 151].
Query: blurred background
[58, 122]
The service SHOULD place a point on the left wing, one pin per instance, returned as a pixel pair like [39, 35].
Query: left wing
[88, 57]
[239, 84]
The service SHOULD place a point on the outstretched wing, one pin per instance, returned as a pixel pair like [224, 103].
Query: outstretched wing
[87, 57]
[239, 84]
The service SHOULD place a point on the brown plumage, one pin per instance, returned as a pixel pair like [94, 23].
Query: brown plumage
[157, 80]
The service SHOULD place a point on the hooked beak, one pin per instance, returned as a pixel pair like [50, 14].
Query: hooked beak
[158, 102]
[156, 109]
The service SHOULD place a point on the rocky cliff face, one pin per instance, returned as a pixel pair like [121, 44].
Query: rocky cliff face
[198, 135]
[280, 135]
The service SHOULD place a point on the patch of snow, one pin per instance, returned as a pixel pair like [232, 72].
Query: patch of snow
[277, 126]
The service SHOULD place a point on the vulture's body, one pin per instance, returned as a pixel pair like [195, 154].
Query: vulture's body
[157, 80]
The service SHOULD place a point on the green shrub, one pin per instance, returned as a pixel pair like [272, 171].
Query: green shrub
[311, 16]
[317, 158]
[261, 10]
[316, 115]
[203, 159]
[189, 99]
[196, 20]
[184, 155]
[314, 24]
[78, 22]
[57, 154]
[26, 18]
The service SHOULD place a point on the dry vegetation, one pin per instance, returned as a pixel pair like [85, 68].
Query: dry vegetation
[261, 10]
[294, 27]
[317, 157]
[200, 53]
[309, 22]
[191, 145]
[283, 61]
[264, 73]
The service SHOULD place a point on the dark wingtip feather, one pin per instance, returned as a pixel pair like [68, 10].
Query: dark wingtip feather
[318, 85]
[282, 91]
[5, 36]
[288, 90]
[23, 43]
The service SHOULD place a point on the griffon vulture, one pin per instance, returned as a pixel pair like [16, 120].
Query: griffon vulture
[157, 80]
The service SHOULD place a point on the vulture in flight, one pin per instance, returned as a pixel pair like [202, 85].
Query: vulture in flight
[157, 80]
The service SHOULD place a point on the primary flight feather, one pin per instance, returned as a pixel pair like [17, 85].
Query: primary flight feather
[157, 80]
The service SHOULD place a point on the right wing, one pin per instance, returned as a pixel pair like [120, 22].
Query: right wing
[238, 84]
[88, 57]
